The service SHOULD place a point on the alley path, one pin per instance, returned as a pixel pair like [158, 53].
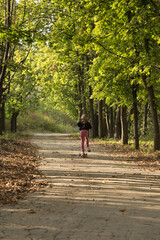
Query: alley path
[103, 197]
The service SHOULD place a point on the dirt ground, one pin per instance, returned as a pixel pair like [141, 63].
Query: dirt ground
[105, 196]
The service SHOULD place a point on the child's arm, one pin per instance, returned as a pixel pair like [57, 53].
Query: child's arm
[79, 124]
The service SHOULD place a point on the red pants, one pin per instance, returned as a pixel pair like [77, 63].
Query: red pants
[84, 136]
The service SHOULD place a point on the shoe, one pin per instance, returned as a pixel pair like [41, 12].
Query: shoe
[83, 155]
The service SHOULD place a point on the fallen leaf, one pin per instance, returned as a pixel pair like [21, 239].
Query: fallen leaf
[123, 210]
[17, 172]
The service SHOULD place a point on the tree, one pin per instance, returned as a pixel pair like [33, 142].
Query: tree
[20, 20]
[128, 32]
[99, 51]
[23, 94]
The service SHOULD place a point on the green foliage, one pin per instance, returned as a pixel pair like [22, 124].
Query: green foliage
[146, 145]
[40, 120]
[105, 45]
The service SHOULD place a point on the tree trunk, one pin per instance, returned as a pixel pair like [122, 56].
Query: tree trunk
[135, 112]
[124, 126]
[118, 124]
[154, 118]
[107, 120]
[80, 110]
[80, 101]
[83, 98]
[91, 110]
[154, 114]
[14, 122]
[1, 125]
[145, 115]
[96, 124]
[3, 117]
[104, 121]
[5, 55]
[100, 118]
[111, 123]
[3, 69]
[105, 127]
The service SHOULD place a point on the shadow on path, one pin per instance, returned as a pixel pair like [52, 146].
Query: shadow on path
[98, 198]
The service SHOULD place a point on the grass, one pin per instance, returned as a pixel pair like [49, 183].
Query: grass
[39, 122]
[146, 146]
[14, 136]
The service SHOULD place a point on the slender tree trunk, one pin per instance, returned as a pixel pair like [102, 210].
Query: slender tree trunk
[118, 124]
[129, 120]
[1, 125]
[124, 126]
[80, 101]
[111, 123]
[82, 83]
[154, 114]
[104, 121]
[96, 124]
[80, 110]
[100, 118]
[3, 117]
[105, 127]
[135, 111]
[145, 115]
[4, 58]
[91, 110]
[14, 122]
[107, 119]
[2, 78]
[83, 98]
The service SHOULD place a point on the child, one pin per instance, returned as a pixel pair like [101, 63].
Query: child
[84, 127]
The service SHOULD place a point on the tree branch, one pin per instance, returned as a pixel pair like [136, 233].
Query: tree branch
[100, 44]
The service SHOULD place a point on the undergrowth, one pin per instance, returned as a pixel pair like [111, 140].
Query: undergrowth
[42, 122]
[144, 145]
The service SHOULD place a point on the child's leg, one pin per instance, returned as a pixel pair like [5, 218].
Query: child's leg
[82, 140]
[82, 144]
[87, 140]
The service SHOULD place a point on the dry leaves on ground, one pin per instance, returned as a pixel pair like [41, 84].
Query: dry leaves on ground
[144, 159]
[18, 170]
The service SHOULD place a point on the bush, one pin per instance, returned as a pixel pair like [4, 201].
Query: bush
[38, 121]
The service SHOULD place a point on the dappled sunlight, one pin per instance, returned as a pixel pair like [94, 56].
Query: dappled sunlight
[102, 195]
[100, 179]
[103, 190]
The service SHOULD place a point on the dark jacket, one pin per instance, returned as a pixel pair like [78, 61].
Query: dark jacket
[84, 126]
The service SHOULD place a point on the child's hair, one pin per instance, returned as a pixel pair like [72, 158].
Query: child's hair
[84, 118]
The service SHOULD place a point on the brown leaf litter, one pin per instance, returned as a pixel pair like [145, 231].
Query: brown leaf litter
[18, 170]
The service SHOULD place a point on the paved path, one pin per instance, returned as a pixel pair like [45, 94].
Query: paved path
[102, 197]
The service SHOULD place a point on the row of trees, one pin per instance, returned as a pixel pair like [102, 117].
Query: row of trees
[108, 52]
[94, 57]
